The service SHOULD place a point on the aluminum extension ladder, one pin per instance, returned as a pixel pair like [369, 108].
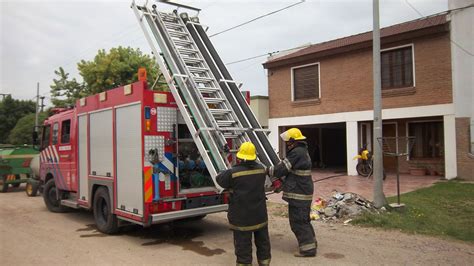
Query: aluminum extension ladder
[209, 100]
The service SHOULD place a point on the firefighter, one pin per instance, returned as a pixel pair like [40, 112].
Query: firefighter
[295, 174]
[247, 208]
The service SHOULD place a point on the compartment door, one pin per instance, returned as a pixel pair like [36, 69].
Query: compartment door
[82, 161]
[129, 158]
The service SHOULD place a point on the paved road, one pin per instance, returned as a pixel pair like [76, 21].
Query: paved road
[29, 234]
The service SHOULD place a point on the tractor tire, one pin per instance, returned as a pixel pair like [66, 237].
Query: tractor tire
[50, 200]
[105, 220]
[3, 184]
[31, 189]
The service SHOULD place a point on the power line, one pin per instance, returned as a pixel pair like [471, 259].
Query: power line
[451, 40]
[266, 54]
[257, 18]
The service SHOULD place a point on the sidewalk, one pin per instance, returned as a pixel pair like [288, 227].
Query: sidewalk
[362, 185]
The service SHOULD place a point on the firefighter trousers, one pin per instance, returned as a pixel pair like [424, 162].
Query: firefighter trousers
[243, 246]
[300, 224]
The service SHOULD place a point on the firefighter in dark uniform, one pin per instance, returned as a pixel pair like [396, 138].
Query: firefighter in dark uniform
[295, 173]
[247, 207]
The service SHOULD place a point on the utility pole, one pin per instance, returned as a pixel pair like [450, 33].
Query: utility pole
[42, 105]
[4, 95]
[37, 106]
[379, 197]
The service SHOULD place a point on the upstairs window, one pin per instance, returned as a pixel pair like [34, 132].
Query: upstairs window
[65, 131]
[397, 68]
[305, 82]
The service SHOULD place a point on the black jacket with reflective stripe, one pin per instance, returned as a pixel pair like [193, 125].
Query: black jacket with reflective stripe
[247, 206]
[295, 172]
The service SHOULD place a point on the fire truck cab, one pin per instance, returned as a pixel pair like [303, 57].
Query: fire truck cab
[127, 155]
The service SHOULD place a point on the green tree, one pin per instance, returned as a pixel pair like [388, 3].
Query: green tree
[115, 68]
[22, 132]
[65, 92]
[11, 110]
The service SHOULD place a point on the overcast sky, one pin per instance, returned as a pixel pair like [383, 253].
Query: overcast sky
[37, 37]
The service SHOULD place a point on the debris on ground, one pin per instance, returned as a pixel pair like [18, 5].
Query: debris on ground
[341, 207]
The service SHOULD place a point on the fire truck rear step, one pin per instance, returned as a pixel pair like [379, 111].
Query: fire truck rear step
[170, 216]
[70, 203]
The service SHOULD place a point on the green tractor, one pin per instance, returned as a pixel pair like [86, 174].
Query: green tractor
[15, 168]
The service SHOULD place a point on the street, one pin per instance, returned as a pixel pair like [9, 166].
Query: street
[30, 234]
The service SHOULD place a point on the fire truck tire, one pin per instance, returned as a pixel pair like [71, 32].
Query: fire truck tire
[105, 220]
[50, 200]
[3, 184]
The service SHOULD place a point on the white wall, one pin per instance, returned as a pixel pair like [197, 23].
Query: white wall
[462, 35]
[260, 108]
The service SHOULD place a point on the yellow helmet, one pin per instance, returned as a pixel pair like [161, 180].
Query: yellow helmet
[292, 133]
[247, 152]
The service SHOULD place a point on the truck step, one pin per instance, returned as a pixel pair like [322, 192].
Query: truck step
[70, 203]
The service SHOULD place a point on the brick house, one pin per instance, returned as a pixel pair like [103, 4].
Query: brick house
[326, 90]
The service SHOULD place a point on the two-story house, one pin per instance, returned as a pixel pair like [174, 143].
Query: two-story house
[326, 90]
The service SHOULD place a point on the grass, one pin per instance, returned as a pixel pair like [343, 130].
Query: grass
[446, 209]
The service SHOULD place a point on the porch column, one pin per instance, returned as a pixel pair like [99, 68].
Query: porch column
[450, 159]
[352, 146]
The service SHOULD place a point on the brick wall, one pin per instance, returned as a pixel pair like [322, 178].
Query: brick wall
[465, 163]
[346, 81]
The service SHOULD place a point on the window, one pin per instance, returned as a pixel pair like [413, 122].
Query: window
[397, 68]
[45, 137]
[55, 133]
[65, 131]
[305, 82]
[429, 139]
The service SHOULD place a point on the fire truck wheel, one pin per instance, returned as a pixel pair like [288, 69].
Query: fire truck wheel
[105, 220]
[50, 199]
[3, 184]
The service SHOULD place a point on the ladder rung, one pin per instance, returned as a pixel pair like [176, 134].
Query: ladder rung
[178, 34]
[182, 42]
[230, 135]
[202, 79]
[219, 111]
[187, 51]
[225, 123]
[213, 100]
[197, 69]
[208, 89]
[173, 26]
[192, 60]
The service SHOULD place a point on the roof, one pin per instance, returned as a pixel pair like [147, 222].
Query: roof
[255, 97]
[410, 26]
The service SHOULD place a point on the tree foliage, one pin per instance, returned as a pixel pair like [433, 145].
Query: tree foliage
[22, 132]
[115, 68]
[11, 110]
[65, 92]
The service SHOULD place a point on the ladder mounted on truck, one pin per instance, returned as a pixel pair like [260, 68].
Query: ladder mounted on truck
[208, 99]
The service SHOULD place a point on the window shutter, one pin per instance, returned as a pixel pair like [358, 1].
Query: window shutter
[306, 83]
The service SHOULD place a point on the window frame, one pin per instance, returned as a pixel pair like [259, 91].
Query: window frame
[412, 45]
[292, 81]
[57, 134]
[46, 130]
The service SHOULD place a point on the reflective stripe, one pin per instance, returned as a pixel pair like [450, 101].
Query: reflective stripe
[297, 196]
[243, 264]
[264, 262]
[248, 172]
[308, 247]
[248, 228]
[301, 172]
[287, 164]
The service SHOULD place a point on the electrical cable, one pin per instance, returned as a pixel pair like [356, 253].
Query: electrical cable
[257, 18]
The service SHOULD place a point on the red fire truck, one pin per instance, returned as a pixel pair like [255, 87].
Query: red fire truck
[126, 155]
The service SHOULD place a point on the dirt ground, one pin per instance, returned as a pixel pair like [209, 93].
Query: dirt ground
[29, 234]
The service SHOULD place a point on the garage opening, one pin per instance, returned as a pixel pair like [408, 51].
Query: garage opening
[326, 144]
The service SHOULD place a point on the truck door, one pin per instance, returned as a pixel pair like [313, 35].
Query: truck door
[65, 151]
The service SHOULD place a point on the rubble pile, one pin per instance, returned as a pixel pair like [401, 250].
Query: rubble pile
[341, 206]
